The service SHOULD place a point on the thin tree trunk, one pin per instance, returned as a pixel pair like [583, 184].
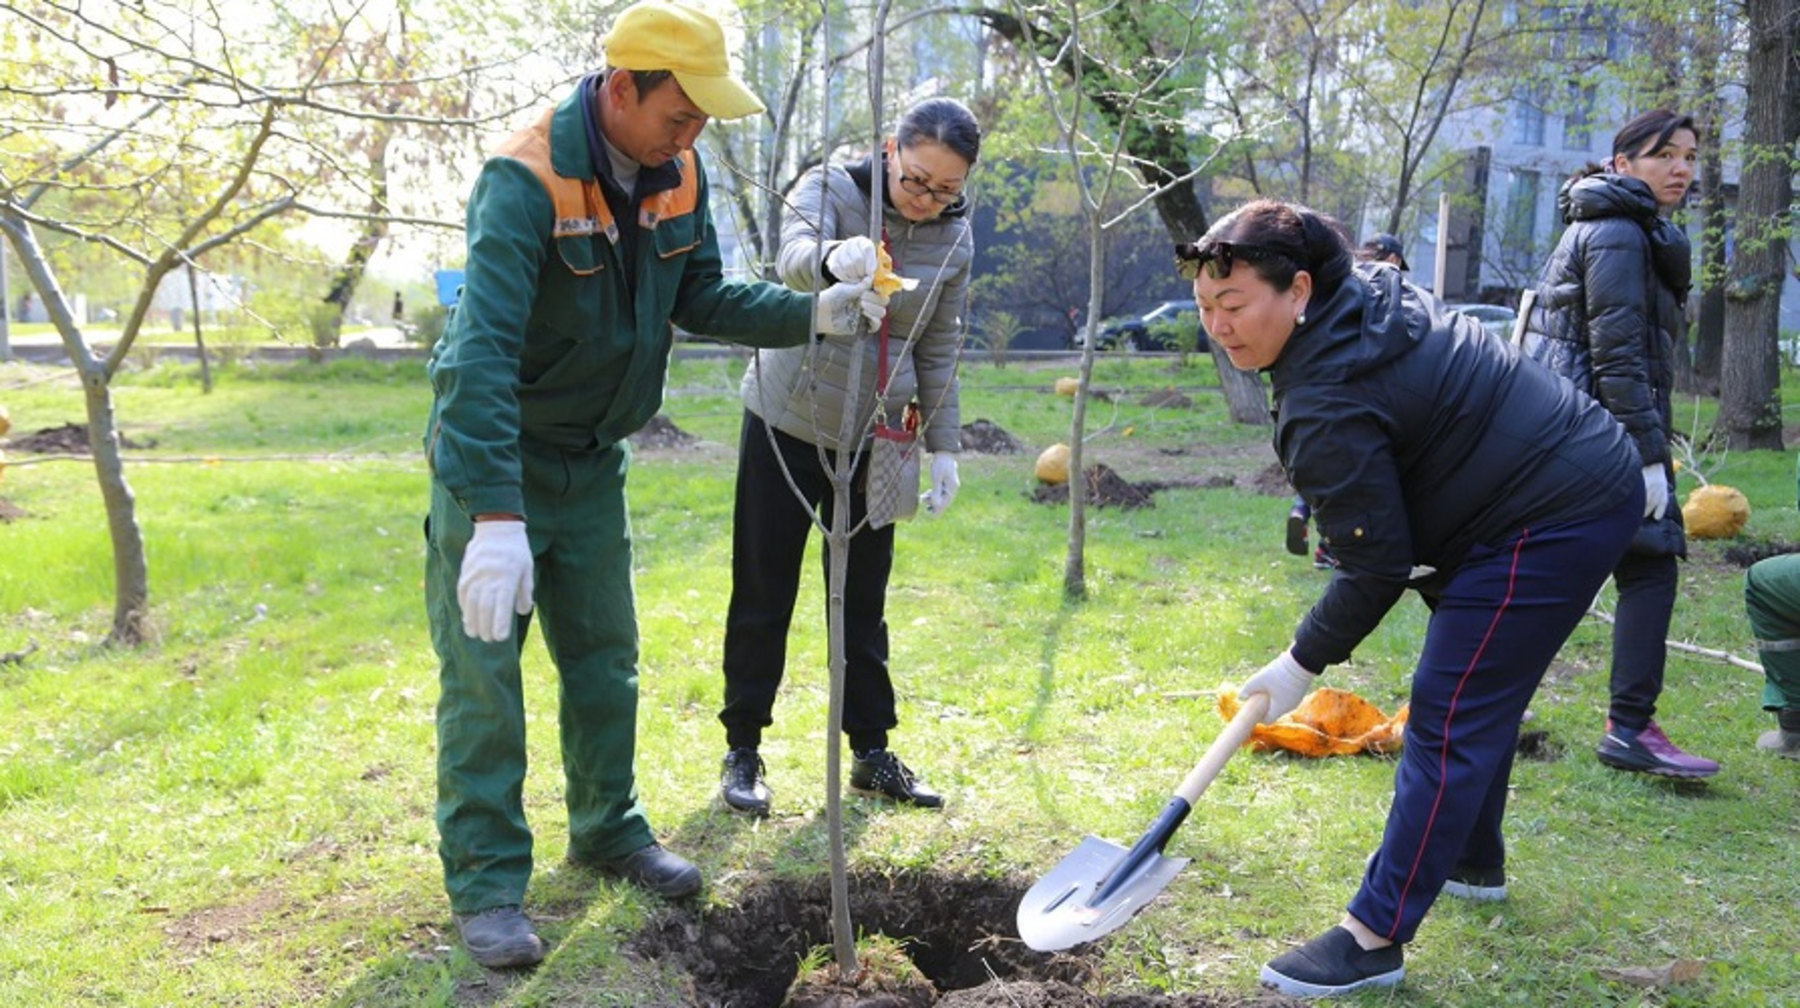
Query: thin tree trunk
[1750, 375]
[837, 540]
[1075, 563]
[1702, 373]
[375, 230]
[199, 339]
[1161, 154]
[131, 570]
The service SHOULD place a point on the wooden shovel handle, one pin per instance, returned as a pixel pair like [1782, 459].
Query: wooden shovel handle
[1239, 728]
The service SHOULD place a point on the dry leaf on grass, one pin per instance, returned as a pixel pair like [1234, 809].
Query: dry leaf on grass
[1679, 971]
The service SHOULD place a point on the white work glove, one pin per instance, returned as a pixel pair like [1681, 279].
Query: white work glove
[944, 482]
[1285, 682]
[1656, 492]
[496, 579]
[838, 307]
[852, 260]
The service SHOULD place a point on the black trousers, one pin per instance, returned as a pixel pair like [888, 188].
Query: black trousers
[1647, 588]
[770, 527]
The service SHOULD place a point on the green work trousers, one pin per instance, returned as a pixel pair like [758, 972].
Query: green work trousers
[1772, 598]
[581, 539]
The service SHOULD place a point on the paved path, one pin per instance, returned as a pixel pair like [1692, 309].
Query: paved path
[47, 347]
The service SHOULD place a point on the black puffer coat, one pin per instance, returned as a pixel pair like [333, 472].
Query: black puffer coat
[1609, 309]
[1418, 438]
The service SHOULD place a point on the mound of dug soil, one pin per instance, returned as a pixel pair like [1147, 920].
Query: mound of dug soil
[1105, 488]
[1749, 553]
[1166, 398]
[1272, 481]
[69, 439]
[960, 933]
[661, 432]
[989, 438]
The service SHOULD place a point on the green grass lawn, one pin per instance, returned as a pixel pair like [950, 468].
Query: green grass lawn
[241, 813]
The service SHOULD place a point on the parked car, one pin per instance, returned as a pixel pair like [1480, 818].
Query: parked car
[1150, 331]
[1498, 320]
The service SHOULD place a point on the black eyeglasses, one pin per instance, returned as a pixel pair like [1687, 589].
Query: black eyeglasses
[918, 188]
[1216, 258]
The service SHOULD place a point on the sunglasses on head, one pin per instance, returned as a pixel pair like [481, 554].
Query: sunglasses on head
[1216, 258]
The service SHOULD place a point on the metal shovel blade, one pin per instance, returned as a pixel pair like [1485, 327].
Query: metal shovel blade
[1100, 885]
[1061, 910]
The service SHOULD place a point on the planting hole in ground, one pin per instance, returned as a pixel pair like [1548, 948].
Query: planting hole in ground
[960, 933]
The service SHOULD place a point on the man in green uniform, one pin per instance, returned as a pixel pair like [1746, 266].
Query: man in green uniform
[588, 234]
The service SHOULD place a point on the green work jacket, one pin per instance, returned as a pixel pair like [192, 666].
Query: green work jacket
[549, 341]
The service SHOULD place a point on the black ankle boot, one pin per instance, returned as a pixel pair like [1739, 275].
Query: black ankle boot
[741, 782]
[879, 773]
[1789, 719]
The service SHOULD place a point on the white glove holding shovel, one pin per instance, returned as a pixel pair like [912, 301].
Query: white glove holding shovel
[1286, 683]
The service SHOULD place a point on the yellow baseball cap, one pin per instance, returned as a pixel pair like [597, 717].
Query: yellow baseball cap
[688, 42]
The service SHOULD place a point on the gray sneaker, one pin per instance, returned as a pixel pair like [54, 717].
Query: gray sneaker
[500, 937]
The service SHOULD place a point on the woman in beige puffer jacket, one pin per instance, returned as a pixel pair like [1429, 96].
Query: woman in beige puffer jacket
[795, 402]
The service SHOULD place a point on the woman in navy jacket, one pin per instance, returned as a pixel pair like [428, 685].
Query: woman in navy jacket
[1435, 458]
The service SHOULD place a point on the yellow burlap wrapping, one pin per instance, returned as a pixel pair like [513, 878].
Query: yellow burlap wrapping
[1329, 722]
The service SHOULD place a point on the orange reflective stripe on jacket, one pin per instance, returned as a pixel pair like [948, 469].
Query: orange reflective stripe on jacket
[580, 206]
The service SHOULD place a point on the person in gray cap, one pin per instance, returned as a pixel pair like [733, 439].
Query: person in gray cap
[589, 238]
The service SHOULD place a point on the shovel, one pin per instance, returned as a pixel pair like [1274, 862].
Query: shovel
[1101, 885]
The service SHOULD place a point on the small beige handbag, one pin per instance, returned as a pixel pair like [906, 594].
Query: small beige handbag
[892, 482]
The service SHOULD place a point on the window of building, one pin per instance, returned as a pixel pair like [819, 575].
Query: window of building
[1528, 117]
[1578, 127]
[1518, 237]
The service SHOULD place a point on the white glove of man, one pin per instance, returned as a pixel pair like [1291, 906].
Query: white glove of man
[1656, 492]
[852, 260]
[1285, 682]
[944, 482]
[496, 579]
[837, 308]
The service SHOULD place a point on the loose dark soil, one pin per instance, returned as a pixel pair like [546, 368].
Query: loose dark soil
[661, 432]
[960, 933]
[989, 438]
[1745, 554]
[1106, 488]
[69, 439]
[1272, 481]
[1166, 399]
[10, 512]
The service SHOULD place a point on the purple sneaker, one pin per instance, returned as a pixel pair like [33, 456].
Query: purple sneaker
[1650, 751]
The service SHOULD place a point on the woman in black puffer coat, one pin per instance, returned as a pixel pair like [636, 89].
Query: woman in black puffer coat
[1609, 309]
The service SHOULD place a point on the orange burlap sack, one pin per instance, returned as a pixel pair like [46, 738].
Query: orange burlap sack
[1329, 722]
